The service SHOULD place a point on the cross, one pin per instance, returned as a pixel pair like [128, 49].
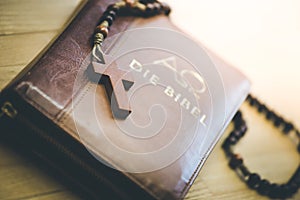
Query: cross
[111, 77]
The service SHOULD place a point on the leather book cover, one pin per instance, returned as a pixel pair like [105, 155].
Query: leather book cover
[139, 126]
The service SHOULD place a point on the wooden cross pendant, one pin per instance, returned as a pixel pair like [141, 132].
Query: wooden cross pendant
[111, 77]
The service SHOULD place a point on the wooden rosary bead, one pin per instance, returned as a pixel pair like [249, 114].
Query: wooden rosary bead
[102, 24]
[262, 108]
[103, 18]
[233, 140]
[235, 161]
[165, 8]
[112, 14]
[149, 9]
[109, 19]
[252, 101]
[156, 7]
[264, 187]
[253, 180]
[243, 129]
[129, 3]
[236, 133]
[239, 134]
[113, 7]
[103, 30]
[292, 189]
[285, 191]
[226, 145]
[232, 134]
[141, 8]
[274, 190]
[105, 13]
[270, 115]
[239, 123]
[287, 127]
[277, 121]
[109, 13]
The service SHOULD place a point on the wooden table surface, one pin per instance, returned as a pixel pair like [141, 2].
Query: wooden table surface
[259, 37]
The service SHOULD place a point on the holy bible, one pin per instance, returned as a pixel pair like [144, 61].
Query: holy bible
[140, 125]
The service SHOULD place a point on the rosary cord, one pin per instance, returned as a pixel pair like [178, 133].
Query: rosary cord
[253, 180]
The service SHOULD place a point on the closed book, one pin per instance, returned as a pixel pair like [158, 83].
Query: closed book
[140, 125]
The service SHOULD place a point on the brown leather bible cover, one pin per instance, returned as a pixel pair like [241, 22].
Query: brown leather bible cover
[42, 97]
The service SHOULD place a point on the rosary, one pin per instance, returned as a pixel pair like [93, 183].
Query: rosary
[148, 8]
[253, 180]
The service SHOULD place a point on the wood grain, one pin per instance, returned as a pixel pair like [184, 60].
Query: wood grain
[8, 73]
[34, 16]
[22, 48]
[25, 29]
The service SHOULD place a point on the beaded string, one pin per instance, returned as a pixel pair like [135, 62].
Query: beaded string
[142, 8]
[253, 180]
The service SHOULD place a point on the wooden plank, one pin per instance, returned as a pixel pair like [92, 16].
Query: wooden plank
[33, 16]
[65, 195]
[21, 49]
[9, 157]
[25, 180]
[8, 73]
